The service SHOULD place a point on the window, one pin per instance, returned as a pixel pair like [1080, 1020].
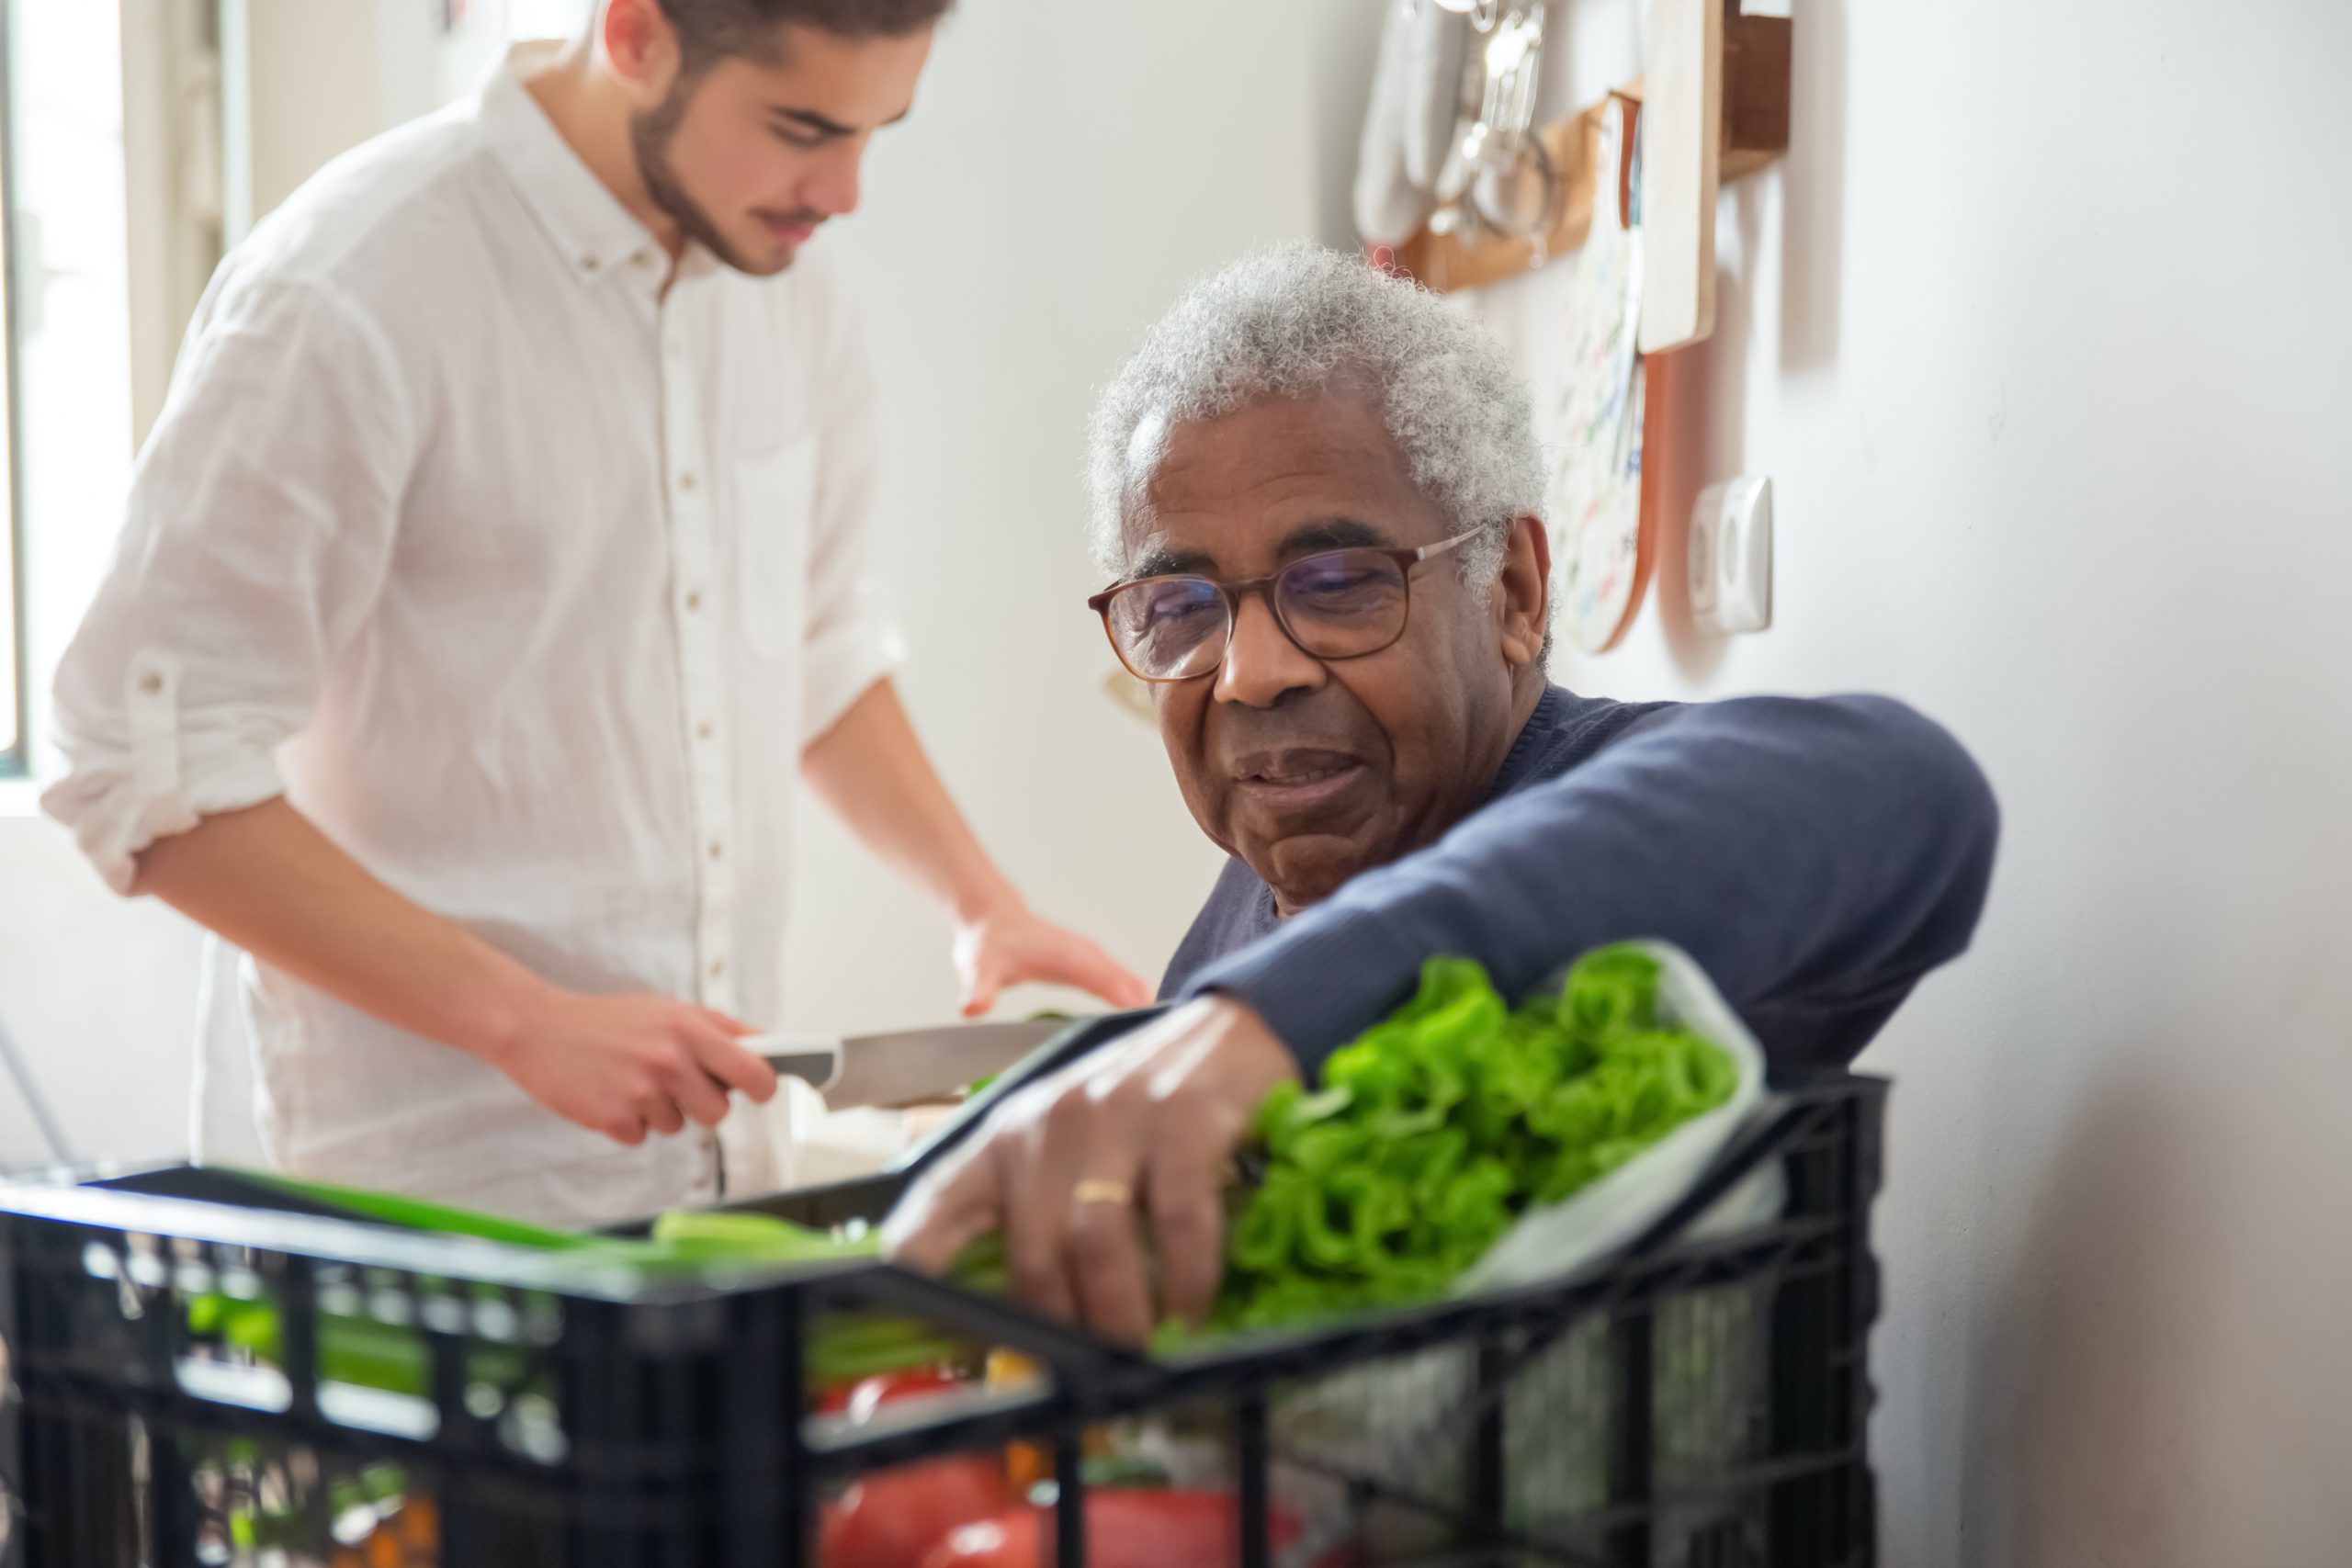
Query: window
[12, 605]
[67, 363]
[128, 156]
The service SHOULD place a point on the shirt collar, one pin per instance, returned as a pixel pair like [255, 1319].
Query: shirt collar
[587, 224]
[1551, 713]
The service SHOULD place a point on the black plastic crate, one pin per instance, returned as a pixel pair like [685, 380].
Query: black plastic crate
[1700, 1401]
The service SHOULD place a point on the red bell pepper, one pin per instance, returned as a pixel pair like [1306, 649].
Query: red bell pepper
[1125, 1528]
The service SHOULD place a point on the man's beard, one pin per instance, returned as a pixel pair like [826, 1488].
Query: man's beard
[650, 136]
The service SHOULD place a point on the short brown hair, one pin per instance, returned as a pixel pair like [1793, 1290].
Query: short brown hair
[712, 30]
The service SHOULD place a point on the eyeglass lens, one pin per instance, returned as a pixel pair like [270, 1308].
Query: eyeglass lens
[1343, 605]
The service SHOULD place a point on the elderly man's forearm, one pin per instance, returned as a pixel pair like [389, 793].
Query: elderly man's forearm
[1814, 857]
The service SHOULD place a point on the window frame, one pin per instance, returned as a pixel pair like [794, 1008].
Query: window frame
[16, 761]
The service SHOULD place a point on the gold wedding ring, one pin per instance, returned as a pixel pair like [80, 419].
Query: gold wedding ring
[1102, 1189]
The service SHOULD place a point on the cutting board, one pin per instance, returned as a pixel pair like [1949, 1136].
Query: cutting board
[1683, 132]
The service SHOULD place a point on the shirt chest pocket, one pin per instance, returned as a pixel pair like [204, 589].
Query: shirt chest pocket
[775, 497]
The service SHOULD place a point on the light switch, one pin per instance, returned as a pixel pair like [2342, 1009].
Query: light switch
[1730, 556]
[1699, 555]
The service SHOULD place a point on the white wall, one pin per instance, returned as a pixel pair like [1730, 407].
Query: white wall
[2041, 334]
[1068, 166]
[311, 78]
[100, 996]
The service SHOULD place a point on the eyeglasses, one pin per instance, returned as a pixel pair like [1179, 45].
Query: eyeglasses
[1338, 604]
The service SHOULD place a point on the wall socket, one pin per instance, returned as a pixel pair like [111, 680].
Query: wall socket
[1730, 556]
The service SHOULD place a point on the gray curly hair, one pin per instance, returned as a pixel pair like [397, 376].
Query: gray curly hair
[1297, 321]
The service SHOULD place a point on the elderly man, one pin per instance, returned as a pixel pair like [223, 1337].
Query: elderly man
[1320, 491]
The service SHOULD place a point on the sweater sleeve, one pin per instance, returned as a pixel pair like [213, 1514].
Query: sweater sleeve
[1817, 857]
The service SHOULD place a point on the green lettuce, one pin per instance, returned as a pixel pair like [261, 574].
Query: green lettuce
[1436, 1129]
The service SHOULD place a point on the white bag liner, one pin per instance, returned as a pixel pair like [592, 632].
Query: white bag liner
[1359, 1418]
[1555, 1241]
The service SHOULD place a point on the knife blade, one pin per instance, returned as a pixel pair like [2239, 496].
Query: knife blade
[904, 1066]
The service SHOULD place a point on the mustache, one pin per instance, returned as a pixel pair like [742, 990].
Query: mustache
[1246, 742]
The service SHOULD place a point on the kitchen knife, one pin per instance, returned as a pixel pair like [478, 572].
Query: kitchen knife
[908, 1066]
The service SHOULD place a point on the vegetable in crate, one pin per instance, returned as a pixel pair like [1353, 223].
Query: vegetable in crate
[409, 1534]
[1143, 1528]
[897, 1517]
[859, 1400]
[894, 1517]
[393, 1356]
[1434, 1132]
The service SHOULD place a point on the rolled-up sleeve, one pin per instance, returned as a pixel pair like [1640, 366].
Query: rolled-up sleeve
[260, 523]
[851, 641]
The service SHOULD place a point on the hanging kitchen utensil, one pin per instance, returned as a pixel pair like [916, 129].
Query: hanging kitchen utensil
[1498, 179]
[1410, 123]
[1513, 186]
[1446, 256]
[1509, 196]
[1386, 204]
[1438, 53]
[1718, 93]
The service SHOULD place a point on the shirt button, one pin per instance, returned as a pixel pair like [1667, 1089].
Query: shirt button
[717, 967]
[588, 264]
[716, 849]
[694, 600]
[643, 258]
[685, 482]
[150, 683]
[702, 732]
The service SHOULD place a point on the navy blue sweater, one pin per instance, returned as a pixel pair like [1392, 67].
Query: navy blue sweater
[1815, 856]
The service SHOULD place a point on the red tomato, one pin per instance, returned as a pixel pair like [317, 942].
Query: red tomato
[1125, 1528]
[894, 1517]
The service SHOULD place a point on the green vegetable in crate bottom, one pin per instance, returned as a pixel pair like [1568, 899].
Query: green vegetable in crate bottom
[393, 1357]
[1439, 1127]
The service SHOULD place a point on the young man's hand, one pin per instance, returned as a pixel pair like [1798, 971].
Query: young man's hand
[1012, 946]
[1068, 1168]
[267, 880]
[871, 772]
[630, 1065]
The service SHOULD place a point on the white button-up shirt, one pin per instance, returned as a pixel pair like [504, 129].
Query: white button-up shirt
[524, 577]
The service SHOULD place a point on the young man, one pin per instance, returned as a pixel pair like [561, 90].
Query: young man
[497, 568]
[1320, 490]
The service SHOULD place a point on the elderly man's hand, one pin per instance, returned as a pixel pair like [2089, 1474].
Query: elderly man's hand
[1142, 1130]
